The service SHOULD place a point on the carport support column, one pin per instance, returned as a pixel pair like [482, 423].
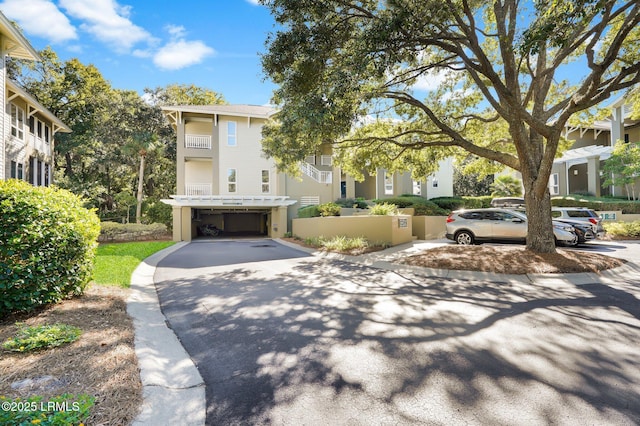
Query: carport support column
[186, 223]
[593, 175]
[176, 212]
[278, 222]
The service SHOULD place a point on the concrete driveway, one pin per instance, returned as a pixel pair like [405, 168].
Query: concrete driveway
[281, 337]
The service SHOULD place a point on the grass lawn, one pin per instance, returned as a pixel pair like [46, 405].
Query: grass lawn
[116, 262]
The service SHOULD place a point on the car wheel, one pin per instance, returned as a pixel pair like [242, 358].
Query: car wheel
[464, 238]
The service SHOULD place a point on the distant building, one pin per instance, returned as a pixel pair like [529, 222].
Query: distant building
[28, 129]
[224, 180]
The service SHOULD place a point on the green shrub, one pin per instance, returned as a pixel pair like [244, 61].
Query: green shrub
[449, 203]
[358, 203]
[429, 209]
[400, 202]
[47, 245]
[41, 337]
[112, 231]
[66, 409]
[383, 209]
[329, 209]
[623, 229]
[308, 211]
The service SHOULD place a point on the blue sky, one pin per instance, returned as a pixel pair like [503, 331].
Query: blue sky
[150, 43]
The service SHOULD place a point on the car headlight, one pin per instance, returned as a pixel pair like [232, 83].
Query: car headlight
[564, 228]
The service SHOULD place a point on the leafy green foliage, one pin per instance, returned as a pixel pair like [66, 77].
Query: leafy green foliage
[308, 211]
[29, 338]
[623, 167]
[116, 262]
[66, 409]
[628, 207]
[623, 229]
[429, 209]
[383, 209]
[358, 203]
[342, 243]
[48, 245]
[111, 231]
[329, 209]
[506, 186]
[400, 202]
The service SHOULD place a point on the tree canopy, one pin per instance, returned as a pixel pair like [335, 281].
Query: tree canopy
[503, 79]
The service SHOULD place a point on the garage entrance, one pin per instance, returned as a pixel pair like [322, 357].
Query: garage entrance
[214, 215]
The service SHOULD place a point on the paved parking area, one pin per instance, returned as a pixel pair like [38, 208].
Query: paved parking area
[281, 337]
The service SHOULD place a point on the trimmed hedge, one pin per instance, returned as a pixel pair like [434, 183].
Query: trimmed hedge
[47, 245]
[623, 229]
[627, 207]
[112, 231]
[327, 209]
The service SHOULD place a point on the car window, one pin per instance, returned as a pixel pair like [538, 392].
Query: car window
[556, 213]
[579, 213]
[472, 215]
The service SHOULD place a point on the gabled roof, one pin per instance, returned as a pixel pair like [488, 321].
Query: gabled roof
[14, 43]
[35, 106]
[253, 111]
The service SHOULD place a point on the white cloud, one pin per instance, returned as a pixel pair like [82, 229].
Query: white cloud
[108, 22]
[177, 31]
[181, 53]
[40, 18]
[430, 81]
[255, 2]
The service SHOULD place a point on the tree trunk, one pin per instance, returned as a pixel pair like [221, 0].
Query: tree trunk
[540, 238]
[140, 188]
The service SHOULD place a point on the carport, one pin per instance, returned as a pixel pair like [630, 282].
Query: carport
[234, 215]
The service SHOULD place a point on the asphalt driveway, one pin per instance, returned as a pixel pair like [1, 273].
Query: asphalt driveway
[281, 337]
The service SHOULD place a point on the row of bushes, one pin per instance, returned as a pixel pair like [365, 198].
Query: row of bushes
[627, 207]
[112, 231]
[623, 229]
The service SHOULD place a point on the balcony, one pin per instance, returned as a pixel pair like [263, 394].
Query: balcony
[320, 176]
[197, 189]
[197, 141]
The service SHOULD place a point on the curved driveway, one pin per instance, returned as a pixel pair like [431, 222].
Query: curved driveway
[281, 337]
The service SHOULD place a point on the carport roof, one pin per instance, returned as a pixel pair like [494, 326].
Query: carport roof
[229, 201]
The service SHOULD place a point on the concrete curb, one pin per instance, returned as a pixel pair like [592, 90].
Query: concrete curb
[173, 390]
[384, 260]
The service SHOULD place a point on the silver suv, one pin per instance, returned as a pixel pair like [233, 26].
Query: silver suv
[579, 214]
[479, 225]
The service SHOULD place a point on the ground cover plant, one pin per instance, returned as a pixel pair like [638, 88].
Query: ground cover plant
[30, 338]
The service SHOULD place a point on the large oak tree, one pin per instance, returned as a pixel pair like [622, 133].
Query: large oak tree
[505, 77]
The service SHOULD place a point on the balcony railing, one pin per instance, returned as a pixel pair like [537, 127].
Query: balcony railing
[198, 189]
[197, 141]
[320, 176]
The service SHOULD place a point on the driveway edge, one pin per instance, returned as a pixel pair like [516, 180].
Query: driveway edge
[173, 390]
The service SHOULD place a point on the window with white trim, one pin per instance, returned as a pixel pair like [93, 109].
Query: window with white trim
[325, 160]
[232, 180]
[17, 122]
[554, 184]
[388, 184]
[232, 128]
[434, 182]
[39, 128]
[311, 159]
[417, 187]
[265, 182]
[47, 134]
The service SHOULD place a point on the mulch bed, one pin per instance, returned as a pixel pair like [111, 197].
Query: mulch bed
[101, 363]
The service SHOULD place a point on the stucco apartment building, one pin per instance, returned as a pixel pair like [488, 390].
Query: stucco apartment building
[28, 129]
[223, 178]
[578, 170]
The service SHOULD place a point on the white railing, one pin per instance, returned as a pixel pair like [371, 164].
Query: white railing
[197, 189]
[309, 200]
[315, 174]
[197, 141]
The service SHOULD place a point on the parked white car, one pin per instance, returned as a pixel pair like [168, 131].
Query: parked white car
[482, 225]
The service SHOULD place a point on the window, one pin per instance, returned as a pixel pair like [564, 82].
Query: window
[265, 182]
[231, 133]
[20, 171]
[32, 125]
[232, 180]
[14, 170]
[311, 159]
[325, 160]
[388, 184]
[17, 122]
[554, 184]
[47, 134]
[435, 182]
[39, 129]
[47, 173]
[417, 188]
